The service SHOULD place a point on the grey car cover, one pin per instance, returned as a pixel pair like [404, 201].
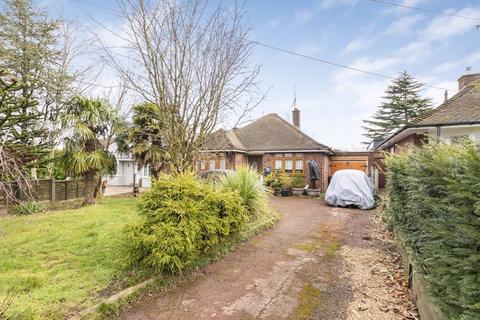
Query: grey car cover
[350, 187]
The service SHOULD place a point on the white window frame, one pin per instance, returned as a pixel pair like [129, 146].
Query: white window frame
[210, 164]
[146, 171]
[223, 164]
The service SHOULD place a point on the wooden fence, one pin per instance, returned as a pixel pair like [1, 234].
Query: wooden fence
[58, 190]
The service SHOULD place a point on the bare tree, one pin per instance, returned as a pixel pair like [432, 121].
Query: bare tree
[15, 183]
[193, 60]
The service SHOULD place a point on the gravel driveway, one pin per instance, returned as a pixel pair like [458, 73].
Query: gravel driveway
[293, 271]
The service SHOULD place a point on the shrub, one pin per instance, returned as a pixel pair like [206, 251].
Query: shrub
[182, 217]
[298, 181]
[434, 202]
[28, 207]
[286, 181]
[246, 182]
[270, 178]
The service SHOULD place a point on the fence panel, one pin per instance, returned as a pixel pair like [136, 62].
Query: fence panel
[59, 190]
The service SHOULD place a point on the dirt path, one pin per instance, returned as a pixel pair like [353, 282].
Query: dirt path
[301, 269]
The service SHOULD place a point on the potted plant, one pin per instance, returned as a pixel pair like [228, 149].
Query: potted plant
[286, 185]
[298, 183]
[313, 192]
[275, 183]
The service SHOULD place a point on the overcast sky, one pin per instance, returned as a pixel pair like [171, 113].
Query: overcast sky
[378, 38]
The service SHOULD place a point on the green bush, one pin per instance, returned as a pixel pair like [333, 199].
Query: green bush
[246, 182]
[298, 181]
[182, 217]
[28, 207]
[286, 181]
[434, 203]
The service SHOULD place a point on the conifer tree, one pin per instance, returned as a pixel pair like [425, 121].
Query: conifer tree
[19, 149]
[31, 52]
[402, 103]
[21, 143]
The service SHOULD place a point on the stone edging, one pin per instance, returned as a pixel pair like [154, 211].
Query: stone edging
[112, 299]
[427, 308]
[128, 291]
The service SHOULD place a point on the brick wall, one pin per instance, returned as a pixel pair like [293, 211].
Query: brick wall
[408, 142]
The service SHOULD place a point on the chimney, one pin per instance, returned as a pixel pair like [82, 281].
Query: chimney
[296, 117]
[446, 95]
[467, 78]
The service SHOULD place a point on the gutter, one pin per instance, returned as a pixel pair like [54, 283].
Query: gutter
[431, 126]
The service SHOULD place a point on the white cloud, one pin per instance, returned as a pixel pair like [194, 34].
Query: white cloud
[402, 25]
[468, 61]
[444, 27]
[275, 22]
[303, 15]
[437, 95]
[412, 2]
[309, 48]
[326, 4]
[334, 116]
[413, 52]
[358, 44]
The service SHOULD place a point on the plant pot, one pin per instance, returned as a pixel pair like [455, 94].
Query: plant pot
[286, 192]
[297, 191]
[313, 192]
[277, 191]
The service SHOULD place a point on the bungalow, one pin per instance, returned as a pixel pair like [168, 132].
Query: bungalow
[269, 143]
[455, 119]
[126, 168]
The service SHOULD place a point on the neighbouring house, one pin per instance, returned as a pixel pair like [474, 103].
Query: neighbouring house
[126, 167]
[269, 143]
[455, 119]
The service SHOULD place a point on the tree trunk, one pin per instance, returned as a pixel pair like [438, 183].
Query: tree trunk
[98, 188]
[89, 192]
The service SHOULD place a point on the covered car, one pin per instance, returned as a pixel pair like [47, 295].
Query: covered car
[350, 188]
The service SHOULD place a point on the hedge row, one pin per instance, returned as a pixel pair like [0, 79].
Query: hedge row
[434, 202]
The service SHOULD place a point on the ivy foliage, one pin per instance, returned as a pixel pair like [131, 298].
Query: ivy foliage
[434, 202]
[182, 218]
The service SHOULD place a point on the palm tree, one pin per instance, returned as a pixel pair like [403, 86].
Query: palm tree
[144, 138]
[84, 156]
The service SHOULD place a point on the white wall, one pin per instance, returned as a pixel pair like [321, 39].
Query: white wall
[473, 132]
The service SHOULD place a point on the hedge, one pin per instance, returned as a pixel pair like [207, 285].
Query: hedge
[434, 202]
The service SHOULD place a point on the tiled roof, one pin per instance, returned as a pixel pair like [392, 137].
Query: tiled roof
[224, 140]
[269, 133]
[461, 108]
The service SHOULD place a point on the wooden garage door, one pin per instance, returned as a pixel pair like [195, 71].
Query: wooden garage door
[357, 163]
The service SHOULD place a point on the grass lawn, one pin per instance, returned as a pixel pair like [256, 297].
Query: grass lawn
[59, 261]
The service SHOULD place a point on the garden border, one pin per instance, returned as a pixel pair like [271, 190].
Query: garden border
[425, 303]
[131, 291]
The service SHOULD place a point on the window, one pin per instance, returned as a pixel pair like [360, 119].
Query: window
[279, 166]
[458, 139]
[121, 168]
[223, 164]
[146, 171]
[202, 165]
[288, 166]
[299, 166]
[477, 137]
[211, 165]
